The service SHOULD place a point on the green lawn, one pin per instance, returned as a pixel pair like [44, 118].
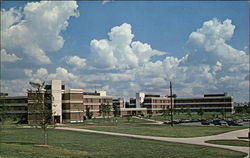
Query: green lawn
[142, 127]
[23, 143]
[230, 142]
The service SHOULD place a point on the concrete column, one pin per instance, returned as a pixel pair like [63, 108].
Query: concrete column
[56, 91]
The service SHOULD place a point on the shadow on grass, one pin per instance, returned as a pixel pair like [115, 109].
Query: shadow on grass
[244, 138]
[19, 143]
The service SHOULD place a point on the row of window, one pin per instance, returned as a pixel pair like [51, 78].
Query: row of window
[11, 101]
[202, 100]
[202, 105]
[11, 108]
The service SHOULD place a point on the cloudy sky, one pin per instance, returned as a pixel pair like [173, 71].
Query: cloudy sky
[126, 47]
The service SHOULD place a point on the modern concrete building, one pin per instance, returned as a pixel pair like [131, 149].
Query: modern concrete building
[155, 104]
[210, 103]
[13, 107]
[95, 100]
[119, 102]
[147, 104]
[69, 105]
[72, 105]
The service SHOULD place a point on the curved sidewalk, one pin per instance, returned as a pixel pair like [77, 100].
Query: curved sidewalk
[193, 140]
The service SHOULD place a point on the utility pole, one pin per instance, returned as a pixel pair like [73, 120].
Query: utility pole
[171, 103]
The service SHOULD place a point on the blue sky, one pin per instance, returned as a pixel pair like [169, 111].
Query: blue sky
[164, 49]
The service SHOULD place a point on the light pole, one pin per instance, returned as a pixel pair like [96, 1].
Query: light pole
[171, 103]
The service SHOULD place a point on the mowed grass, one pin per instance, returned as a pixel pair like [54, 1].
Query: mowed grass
[22, 143]
[230, 142]
[141, 127]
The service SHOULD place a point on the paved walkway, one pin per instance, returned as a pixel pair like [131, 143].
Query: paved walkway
[195, 140]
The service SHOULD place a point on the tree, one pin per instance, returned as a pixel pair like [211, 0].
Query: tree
[105, 109]
[41, 108]
[200, 112]
[188, 113]
[182, 110]
[223, 113]
[150, 113]
[89, 113]
[116, 110]
[129, 117]
[166, 112]
[238, 110]
[101, 109]
[247, 109]
[108, 109]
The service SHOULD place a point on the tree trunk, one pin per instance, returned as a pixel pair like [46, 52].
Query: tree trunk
[45, 136]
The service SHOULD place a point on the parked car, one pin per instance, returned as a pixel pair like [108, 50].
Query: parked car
[176, 121]
[184, 121]
[167, 122]
[238, 120]
[194, 120]
[245, 119]
[205, 122]
[234, 123]
[223, 123]
[216, 121]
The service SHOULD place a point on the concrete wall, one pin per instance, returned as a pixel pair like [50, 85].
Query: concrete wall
[139, 99]
[56, 92]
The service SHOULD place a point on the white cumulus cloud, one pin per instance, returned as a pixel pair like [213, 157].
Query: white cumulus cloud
[35, 30]
[5, 57]
[209, 66]
[119, 51]
[76, 62]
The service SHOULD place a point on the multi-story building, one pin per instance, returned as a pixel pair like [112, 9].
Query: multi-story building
[133, 107]
[95, 100]
[48, 98]
[13, 107]
[147, 104]
[72, 105]
[119, 102]
[156, 104]
[210, 103]
[69, 105]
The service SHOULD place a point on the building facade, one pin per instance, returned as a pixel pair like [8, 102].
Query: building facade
[68, 105]
[210, 103]
[13, 107]
[156, 104]
[72, 105]
[147, 104]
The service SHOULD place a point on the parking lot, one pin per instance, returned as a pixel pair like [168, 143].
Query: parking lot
[245, 124]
